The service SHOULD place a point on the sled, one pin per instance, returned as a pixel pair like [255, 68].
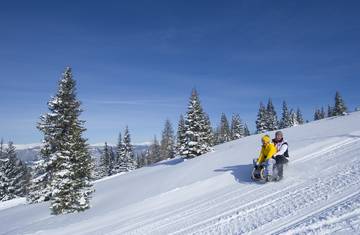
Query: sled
[258, 174]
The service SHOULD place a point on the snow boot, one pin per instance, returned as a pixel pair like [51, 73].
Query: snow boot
[269, 178]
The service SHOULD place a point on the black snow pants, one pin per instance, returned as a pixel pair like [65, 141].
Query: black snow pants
[280, 161]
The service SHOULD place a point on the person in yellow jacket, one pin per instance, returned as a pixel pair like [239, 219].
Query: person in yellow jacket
[267, 152]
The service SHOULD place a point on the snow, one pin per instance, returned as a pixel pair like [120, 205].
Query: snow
[12, 203]
[213, 193]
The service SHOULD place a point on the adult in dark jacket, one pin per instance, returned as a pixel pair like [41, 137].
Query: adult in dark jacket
[282, 154]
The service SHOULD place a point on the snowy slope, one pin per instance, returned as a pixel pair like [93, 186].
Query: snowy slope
[213, 194]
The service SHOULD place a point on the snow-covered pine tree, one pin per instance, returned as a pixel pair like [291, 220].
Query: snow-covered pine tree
[167, 147]
[271, 120]
[224, 130]
[148, 159]
[261, 122]
[41, 174]
[4, 182]
[293, 118]
[246, 130]
[105, 163]
[237, 127]
[299, 116]
[66, 163]
[322, 113]
[181, 135]
[154, 152]
[216, 132]
[141, 159]
[112, 159]
[119, 152]
[340, 107]
[286, 117]
[195, 126]
[127, 157]
[317, 114]
[330, 111]
[209, 136]
[1, 148]
[17, 173]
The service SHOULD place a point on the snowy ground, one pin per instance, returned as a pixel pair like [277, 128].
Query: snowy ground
[213, 194]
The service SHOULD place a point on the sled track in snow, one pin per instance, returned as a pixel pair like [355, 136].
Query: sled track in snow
[330, 220]
[232, 206]
[281, 207]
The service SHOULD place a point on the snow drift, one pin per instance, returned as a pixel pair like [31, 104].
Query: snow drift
[213, 193]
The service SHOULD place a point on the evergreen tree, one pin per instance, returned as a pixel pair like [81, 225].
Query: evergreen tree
[224, 130]
[17, 173]
[64, 172]
[127, 158]
[317, 115]
[293, 118]
[181, 135]
[154, 152]
[246, 130]
[330, 111]
[105, 165]
[286, 119]
[141, 159]
[340, 107]
[14, 174]
[112, 159]
[237, 127]
[322, 113]
[1, 148]
[271, 118]
[196, 132]
[299, 116]
[3, 179]
[261, 122]
[209, 136]
[167, 148]
[118, 158]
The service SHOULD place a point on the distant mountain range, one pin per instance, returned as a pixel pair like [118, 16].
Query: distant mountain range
[30, 153]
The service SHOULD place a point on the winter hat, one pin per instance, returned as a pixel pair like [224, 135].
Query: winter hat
[266, 139]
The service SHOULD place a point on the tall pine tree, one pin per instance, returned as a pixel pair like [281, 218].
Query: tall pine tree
[127, 156]
[154, 152]
[271, 120]
[299, 116]
[181, 135]
[196, 129]
[65, 167]
[340, 107]
[246, 130]
[237, 127]
[105, 164]
[286, 117]
[224, 134]
[261, 121]
[167, 148]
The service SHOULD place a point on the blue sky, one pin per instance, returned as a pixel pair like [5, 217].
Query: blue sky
[136, 61]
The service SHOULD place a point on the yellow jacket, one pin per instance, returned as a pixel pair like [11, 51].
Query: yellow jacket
[267, 151]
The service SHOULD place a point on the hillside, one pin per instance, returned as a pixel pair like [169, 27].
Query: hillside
[213, 193]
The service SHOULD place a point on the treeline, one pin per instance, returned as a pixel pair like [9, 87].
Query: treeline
[267, 119]
[194, 136]
[338, 109]
[65, 170]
